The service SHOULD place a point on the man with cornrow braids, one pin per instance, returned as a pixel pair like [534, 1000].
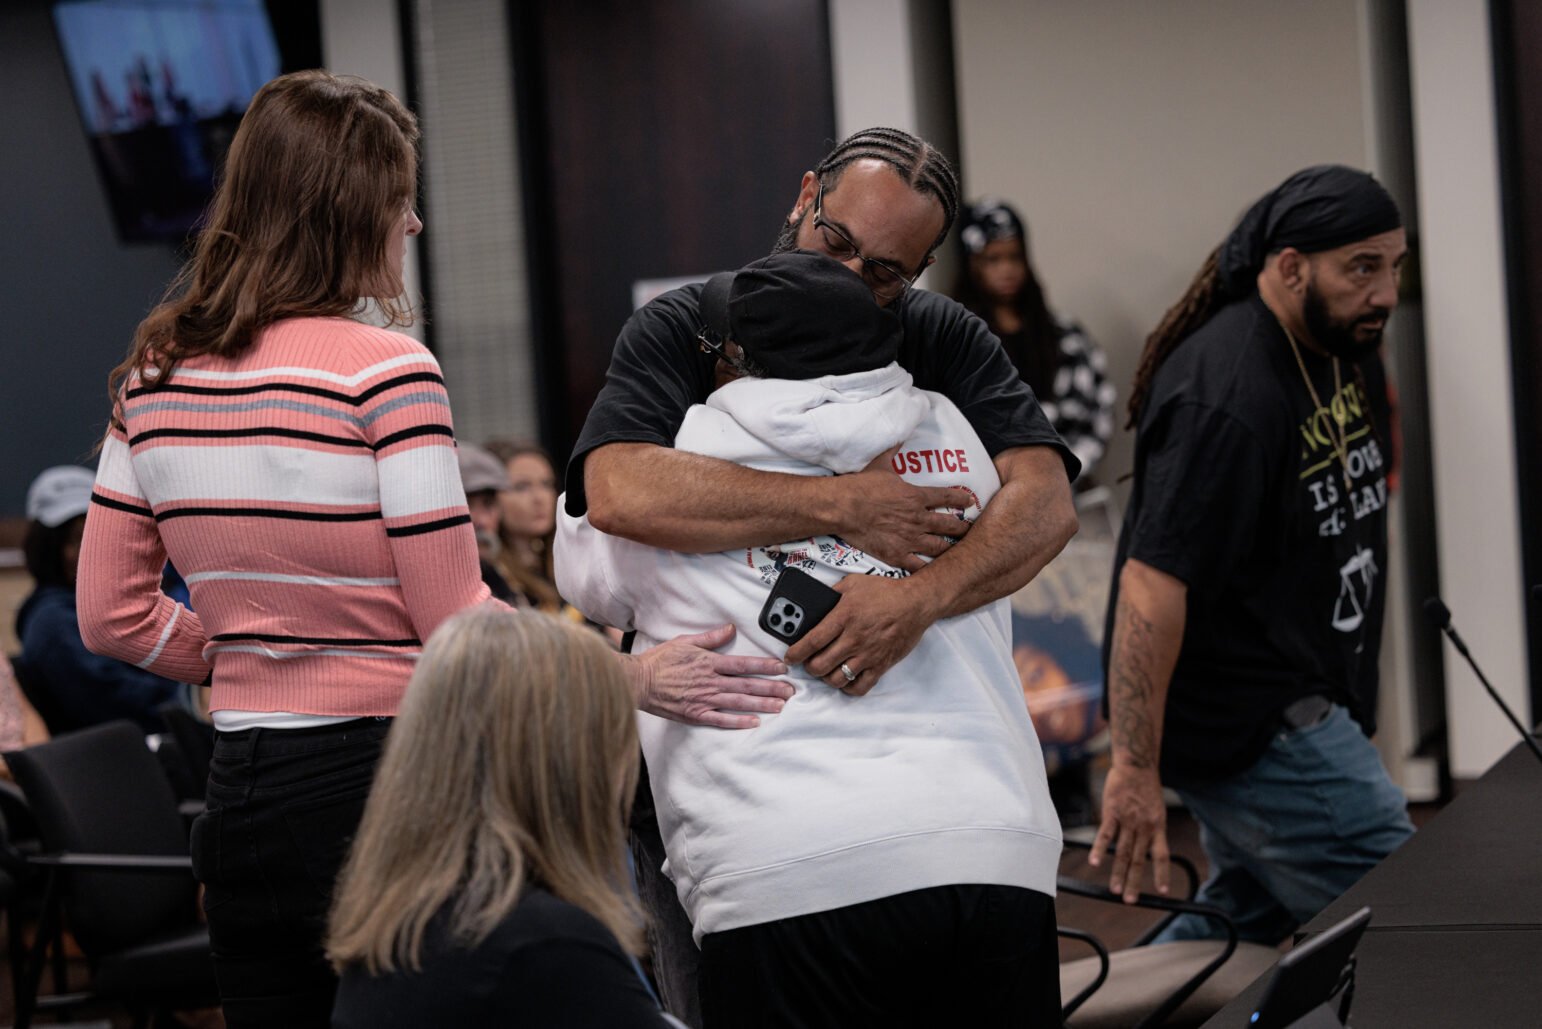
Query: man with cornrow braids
[1245, 620]
[880, 202]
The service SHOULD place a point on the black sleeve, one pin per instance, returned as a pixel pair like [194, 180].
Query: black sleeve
[951, 351]
[656, 372]
[1200, 476]
[572, 983]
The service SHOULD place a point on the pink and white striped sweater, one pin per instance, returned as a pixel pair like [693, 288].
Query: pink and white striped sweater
[308, 492]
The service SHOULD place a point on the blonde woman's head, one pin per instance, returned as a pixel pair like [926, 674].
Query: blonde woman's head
[512, 761]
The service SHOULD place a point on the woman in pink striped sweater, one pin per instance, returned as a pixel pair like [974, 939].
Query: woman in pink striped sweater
[299, 469]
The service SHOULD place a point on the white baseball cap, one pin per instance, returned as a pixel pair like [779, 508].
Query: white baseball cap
[59, 494]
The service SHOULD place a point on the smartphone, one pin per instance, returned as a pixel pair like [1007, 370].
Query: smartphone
[797, 603]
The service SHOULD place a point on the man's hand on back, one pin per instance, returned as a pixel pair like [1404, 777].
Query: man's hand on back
[877, 622]
[895, 521]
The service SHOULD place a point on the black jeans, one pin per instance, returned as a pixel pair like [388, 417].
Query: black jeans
[283, 805]
[672, 952]
[970, 955]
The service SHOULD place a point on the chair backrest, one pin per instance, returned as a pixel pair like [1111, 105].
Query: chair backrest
[101, 791]
[195, 748]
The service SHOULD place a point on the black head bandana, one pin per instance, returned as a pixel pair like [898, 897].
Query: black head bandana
[801, 315]
[1316, 209]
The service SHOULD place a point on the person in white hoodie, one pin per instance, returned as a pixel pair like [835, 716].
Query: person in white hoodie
[883, 855]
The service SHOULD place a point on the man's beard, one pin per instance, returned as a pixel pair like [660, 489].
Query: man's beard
[787, 239]
[1338, 337]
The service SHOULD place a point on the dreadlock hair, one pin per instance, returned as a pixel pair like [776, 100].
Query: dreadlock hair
[916, 161]
[1203, 299]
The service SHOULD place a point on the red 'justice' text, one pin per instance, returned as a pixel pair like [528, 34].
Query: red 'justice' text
[914, 461]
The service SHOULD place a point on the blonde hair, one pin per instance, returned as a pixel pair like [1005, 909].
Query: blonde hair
[513, 760]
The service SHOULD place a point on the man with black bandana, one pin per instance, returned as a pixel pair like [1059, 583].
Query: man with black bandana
[1245, 619]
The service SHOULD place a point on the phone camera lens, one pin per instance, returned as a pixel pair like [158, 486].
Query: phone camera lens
[776, 621]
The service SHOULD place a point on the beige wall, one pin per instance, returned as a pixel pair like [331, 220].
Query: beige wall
[1472, 429]
[1132, 135]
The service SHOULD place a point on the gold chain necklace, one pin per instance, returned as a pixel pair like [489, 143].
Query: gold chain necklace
[1341, 440]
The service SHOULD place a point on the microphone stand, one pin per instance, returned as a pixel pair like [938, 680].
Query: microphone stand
[1440, 616]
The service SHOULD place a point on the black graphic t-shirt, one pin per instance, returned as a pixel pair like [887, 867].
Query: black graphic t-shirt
[1273, 511]
[658, 371]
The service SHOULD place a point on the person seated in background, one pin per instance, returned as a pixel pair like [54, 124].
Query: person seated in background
[487, 883]
[484, 480]
[885, 851]
[1057, 359]
[74, 687]
[20, 724]
[529, 520]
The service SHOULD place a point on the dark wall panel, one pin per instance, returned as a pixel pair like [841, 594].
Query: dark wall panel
[1518, 62]
[73, 292]
[661, 139]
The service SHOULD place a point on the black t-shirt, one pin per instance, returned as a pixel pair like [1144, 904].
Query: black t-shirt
[658, 370]
[1240, 493]
[548, 965]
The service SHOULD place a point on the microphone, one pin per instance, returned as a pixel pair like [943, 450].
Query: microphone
[1439, 616]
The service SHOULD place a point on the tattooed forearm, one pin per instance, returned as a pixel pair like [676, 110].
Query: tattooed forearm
[1130, 689]
[1148, 631]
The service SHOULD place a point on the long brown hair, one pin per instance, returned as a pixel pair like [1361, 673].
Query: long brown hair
[1035, 350]
[315, 183]
[540, 587]
[1200, 302]
[513, 760]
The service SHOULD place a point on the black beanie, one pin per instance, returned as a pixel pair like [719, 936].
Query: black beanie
[801, 315]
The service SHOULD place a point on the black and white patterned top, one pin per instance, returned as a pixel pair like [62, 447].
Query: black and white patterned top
[1081, 406]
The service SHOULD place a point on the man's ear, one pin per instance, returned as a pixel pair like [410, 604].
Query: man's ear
[1295, 269]
[808, 192]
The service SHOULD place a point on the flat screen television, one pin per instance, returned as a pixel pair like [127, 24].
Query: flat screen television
[161, 86]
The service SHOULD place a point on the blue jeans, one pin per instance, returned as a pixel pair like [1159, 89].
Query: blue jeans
[1289, 835]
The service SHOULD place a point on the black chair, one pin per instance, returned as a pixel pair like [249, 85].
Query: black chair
[194, 739]
[23, 887]
[1165, 984]
[118, 873]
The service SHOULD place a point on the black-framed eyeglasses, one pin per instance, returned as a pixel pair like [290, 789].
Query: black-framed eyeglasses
[709, 343]
[886, 281]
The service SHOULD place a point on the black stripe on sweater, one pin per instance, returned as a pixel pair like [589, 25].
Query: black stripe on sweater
[268, 512]
[262, 637]
[401, 380]
[256, 430]
[413, 433]
[118, 505]
[418, 530]
[288, 387]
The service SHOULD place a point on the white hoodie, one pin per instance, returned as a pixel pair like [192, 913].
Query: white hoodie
[933, 778]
